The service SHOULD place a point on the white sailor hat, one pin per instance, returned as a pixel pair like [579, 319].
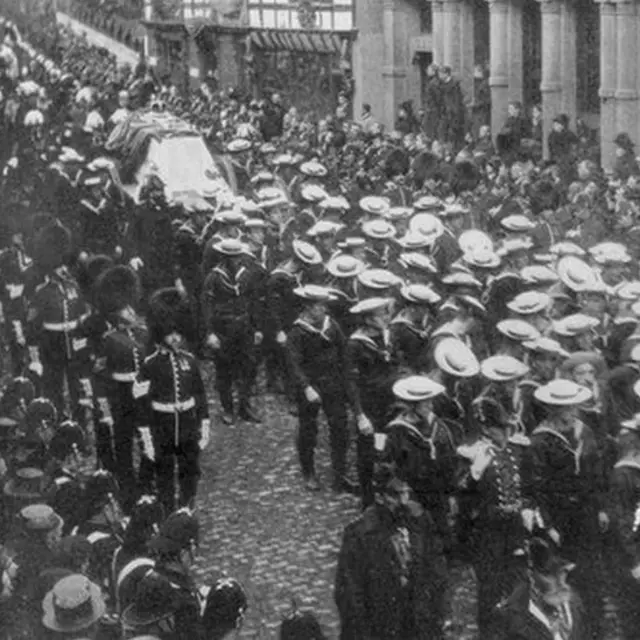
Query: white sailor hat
[455, 358]
[519, 330]
[574, 324]
[417, 388]
[306, 252]
[561, 392]
[518, 223]
[529, 302]
[345, 266]
[420, 294]
[378, 279]
[378, 229]
[503, 368]
[375, 205]
[370, 305]
[313, 169]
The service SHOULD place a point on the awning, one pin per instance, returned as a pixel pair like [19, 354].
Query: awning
[299, 40]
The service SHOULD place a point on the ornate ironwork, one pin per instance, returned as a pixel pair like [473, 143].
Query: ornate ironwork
[307, 15]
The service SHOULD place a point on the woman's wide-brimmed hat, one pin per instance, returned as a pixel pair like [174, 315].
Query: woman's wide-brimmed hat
[74, 604]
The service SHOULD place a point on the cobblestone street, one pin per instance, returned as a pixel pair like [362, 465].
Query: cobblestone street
[260, 525]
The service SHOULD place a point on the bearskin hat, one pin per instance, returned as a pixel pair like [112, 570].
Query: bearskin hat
[301, 626]
[226, 603]
[100, 485]
[544, 559]
[466, 177]
[423, 167]
[91, 270]
[543, 196]
[51, 246]
[167, 313]
[116, 288]
[146, 517]
[67, 438]
[396, 163]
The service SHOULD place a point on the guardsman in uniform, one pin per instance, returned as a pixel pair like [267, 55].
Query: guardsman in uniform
[121, 352]
[496, 497]
[423, 449]
[410, 328]
[56, 313]
[316, 347]
[232, 303]
[173, 414]
[14, 267]
[370, 375]
[624, 493]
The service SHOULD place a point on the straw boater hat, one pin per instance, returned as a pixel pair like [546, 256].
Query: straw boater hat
[345, 266]
[313, 192]
[26, 484]
[399, 213]
[371, 305]
[631, 425]
[518, 223]
[412, 240]
[577, 275]
[502, 368]
[546, 346]
[306, 252]
[628, 291]
[324, 228]
[375, 205]
[566, 249]
[378, 279]
[562, 393]
[428, 203]
[74, 604]
[230, 247]
[474, 240]
[461, 279]
[455, 358]
[481, 258]
[269, 197]
[578, 358]
[417, 389]
[335, 203]
[418, 261]
[519, 330]
[538, 275]
[427, 225]
[453, 210]
[529, 303]
[514, 245]
[313, 293]
[574, 325]
[238, 145]
[420, 294]
[378, 229]
[610, 252]
[39, 517]
[313, 169]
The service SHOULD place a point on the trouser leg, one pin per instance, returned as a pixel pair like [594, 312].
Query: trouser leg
[307, 434]
[188, 454]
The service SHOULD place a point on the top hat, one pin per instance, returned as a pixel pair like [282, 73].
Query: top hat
[74, 604]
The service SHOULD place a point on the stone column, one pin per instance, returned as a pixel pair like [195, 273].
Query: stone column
[569, 62]
[467, 48]
[608, 81]
[451, 10]
[514, 39]
[626, 67]
[437, 33]
[551, 85]
[499, 55]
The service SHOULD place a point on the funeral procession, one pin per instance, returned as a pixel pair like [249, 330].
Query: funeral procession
[319, 320]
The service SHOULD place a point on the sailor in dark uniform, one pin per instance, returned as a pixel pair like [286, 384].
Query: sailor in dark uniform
[233, 307]
[316, 348]
[370, 375]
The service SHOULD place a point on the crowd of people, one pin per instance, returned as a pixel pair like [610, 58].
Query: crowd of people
[465, 317]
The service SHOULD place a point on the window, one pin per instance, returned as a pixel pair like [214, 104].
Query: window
[330, 14]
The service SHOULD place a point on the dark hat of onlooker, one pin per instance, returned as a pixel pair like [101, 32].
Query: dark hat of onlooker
[301, 626]
[563, 119]
[178, 533]
[225, 605]
[624, 141]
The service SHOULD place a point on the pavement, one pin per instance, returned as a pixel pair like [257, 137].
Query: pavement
[259, 524]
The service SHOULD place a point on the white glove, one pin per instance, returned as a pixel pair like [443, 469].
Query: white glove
[36, 367]
[281, 337]
[213, 341]
[528, 519]
[205, 428]
[554, 535]
[364, 425]
[136, 263]
[635, 572]
[257, 338]
[13, 162]
[147, 443]
[311, 395]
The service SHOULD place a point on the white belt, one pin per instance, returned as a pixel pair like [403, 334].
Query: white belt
[61, 326]
[174, 407]
[124, 377]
